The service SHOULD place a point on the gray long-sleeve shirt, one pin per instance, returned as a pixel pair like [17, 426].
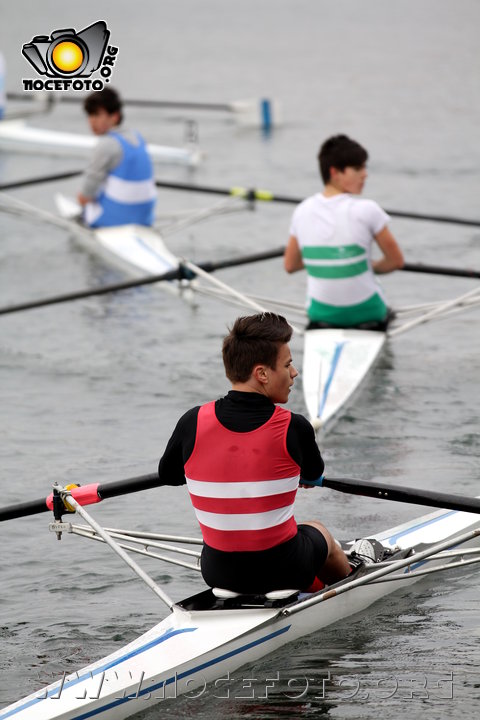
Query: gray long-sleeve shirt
[106, 155]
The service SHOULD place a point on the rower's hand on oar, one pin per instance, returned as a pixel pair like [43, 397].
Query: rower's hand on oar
[311, 483]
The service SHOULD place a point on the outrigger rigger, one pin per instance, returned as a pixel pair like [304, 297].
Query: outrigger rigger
[215, 632]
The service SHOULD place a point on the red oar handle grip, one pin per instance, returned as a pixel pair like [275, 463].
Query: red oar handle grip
[84, 495]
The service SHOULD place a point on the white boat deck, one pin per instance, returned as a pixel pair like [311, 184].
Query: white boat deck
[192, 647]
[18, 136]
[335, 362]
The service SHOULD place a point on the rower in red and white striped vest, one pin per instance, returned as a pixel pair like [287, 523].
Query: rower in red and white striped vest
[244, 499]
[331, 236]
[118, 185]
[243, 458]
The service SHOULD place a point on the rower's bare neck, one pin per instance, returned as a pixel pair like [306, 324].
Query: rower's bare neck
[331, 190]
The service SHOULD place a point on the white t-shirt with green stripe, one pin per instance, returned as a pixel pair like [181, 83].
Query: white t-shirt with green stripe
[335, 236]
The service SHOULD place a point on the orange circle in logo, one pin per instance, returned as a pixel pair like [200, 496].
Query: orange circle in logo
[67, 56]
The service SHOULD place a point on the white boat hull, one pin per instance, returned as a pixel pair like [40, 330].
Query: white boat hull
[191, 648]
[335, 362]
[134, 249]
[16, 135]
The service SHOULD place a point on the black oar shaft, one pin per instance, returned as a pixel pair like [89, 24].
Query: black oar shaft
[123, 487]
[346, 485]
[102, 492]
[433, 218]
[247, 194]
[439, 270]
[82, 294]
[243, 260]
[403, 494]
[37, 180]
[266, 195]
[149, 280]
[207, 189]
[174, 104]
[23, 509]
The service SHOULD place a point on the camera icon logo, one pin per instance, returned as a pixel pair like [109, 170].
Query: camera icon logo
[66, 53]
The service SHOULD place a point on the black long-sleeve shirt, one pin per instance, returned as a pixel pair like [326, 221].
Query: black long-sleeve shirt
[240, 412]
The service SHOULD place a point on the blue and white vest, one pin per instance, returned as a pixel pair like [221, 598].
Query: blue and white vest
[129, 194]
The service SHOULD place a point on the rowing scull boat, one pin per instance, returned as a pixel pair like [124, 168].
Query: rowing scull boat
[335, 363]
[337, 360]
[132, 248]
[18, 136]
[215, 632]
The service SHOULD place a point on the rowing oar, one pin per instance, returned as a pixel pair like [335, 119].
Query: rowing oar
[77, 99]
[268, 196]
[41, 179]
[401, 494]
[84, 495]
[249, 195]
[439, 270]
[260, 113]
[183, 273]
[179, 273]
[96, 492]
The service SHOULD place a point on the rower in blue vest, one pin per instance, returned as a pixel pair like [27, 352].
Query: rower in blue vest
[118, 186]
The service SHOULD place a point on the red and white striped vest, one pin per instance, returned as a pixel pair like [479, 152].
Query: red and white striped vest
[243, 484]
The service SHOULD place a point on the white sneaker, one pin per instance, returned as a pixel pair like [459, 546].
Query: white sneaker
[364, 550]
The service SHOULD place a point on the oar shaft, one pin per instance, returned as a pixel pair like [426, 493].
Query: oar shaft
[267, 195]
[433, 218]
[11, 512]
[246, 193]
[123, 487]
[439, 270]
[243, 260]
[82, 294]
[178, 105]
[149, 280]
[41, 179]
[181, 105]
[84, 494]
[403, 494]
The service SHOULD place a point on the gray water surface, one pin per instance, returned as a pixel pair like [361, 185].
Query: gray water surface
[91, 390]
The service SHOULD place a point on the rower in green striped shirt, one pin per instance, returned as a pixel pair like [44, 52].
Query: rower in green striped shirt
[331, 236]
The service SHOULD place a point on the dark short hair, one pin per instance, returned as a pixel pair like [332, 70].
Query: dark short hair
[107, 99]
[340, 152]
[254, 340]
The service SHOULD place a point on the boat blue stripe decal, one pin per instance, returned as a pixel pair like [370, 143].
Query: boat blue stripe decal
[336, 357]
[168, 681]
[426, 523]
[180, 676]
[155, 254]
[394, 538]
[91, 674]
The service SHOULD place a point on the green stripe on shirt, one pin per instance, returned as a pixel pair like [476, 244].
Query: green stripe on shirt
[318, 252]
[337, 271]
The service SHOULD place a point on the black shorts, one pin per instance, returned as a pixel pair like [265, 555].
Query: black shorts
[291, 565]
[380, 325]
